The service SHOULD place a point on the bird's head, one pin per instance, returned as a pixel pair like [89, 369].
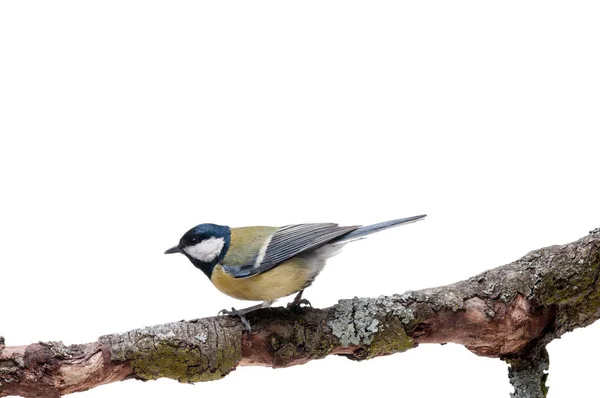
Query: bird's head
[204, 245]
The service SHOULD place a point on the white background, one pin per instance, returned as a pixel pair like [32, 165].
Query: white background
[125, 123]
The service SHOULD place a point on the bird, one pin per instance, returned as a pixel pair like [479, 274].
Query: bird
[261, 263]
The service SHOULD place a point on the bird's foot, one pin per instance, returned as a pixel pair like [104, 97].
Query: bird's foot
[225, 312]
[297, 305]
[241, 314]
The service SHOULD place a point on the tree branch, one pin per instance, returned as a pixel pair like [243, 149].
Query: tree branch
[510, 312]
[527, 372]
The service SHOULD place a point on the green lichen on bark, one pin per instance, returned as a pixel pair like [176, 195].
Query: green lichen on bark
[390, 339]
[292, 336]
[572, 284]
[188, 352]
[395, 320]
[313, 338]
[573, 287]
[173, 361]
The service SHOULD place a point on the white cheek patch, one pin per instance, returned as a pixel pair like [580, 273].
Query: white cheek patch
[207, 250]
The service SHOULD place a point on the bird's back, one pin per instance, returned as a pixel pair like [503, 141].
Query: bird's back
[248, 242]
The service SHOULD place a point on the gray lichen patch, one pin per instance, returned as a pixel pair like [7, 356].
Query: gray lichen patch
[201, 337]
[376, 324]
[528, 375]
[394, 305]
[61, 351]
[353, 323]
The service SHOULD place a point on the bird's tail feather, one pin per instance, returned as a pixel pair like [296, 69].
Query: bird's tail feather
[371, 229]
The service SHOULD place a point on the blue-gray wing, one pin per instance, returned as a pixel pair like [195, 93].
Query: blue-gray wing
[288, 242]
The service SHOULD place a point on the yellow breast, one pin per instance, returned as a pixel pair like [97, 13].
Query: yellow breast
[287, 278]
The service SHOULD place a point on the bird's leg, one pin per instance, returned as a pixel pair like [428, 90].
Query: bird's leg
[242, 313]
[298, 301]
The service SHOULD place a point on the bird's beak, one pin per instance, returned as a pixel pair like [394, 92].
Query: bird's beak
[174, 249]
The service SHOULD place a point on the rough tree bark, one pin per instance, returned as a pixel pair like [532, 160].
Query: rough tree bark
[510, 312]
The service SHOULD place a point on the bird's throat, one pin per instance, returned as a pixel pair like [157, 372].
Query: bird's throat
[207, 268]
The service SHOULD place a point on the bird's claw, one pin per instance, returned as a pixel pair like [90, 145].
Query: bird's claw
[225, 312]
[299, 304]
[239, 314]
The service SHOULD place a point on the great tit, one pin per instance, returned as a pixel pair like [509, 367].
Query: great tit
[266, 263]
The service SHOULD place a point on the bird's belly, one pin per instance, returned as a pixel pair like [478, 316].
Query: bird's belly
[287, 278]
